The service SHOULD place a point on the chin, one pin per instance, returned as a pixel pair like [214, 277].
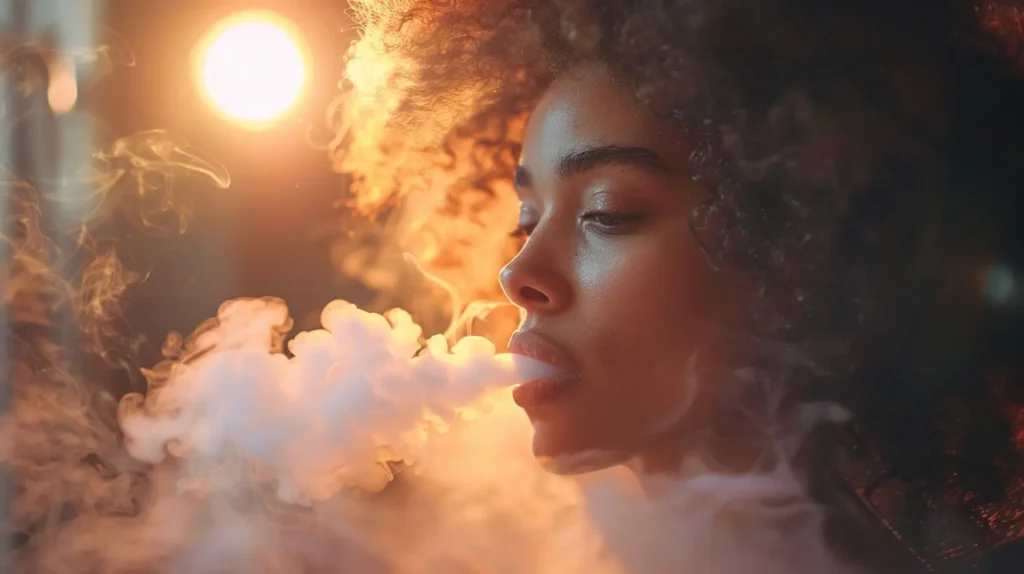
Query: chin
[558, 455]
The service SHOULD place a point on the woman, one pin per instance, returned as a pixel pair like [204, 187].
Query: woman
[718, 201]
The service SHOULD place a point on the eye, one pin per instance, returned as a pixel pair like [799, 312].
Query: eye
[522, 231]
[528, 218]
[611, 222]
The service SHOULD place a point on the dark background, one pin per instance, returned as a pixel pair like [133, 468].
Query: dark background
[267, 234]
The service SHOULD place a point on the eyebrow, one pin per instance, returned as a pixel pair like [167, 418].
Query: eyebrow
[581, 161]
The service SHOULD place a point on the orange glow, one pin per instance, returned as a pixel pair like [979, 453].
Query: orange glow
[252, 68]
[1005, 24]
[62, 93]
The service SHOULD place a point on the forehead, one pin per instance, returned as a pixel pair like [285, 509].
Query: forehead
[586, 108]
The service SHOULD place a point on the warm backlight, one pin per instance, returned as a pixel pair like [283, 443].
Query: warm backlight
[252, 69]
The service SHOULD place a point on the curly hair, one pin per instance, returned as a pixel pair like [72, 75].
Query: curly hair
[824, 130]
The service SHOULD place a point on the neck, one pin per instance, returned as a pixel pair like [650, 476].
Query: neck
[693, 449]
[856, 533]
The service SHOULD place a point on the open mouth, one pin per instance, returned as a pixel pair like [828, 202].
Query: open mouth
[541, 392]
[554, 375]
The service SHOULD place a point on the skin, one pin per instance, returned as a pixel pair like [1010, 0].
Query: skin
[611, 273]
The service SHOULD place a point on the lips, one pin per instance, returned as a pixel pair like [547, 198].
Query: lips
[563, 376]
[535, 346]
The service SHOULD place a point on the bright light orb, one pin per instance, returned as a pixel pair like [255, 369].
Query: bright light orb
[252, 69]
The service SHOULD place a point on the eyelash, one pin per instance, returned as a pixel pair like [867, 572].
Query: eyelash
[524, 230]
[618, 218]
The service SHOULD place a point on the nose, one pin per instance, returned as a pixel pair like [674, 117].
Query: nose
[534, 280]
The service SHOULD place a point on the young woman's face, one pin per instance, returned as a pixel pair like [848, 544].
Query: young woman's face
[615, 288]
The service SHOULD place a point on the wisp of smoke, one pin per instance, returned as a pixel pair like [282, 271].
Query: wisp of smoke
[352, 398]
[325, 425]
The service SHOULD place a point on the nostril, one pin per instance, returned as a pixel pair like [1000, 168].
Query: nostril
[533, 295]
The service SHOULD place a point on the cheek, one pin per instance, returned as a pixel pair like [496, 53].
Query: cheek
[654, 288]
[648, 305]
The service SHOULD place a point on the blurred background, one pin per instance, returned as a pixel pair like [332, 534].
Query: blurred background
[267, 233]
[270, 232]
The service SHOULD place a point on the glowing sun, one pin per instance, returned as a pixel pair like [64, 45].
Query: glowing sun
[251, 68]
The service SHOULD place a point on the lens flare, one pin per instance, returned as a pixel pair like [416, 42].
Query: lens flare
[252, 68]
